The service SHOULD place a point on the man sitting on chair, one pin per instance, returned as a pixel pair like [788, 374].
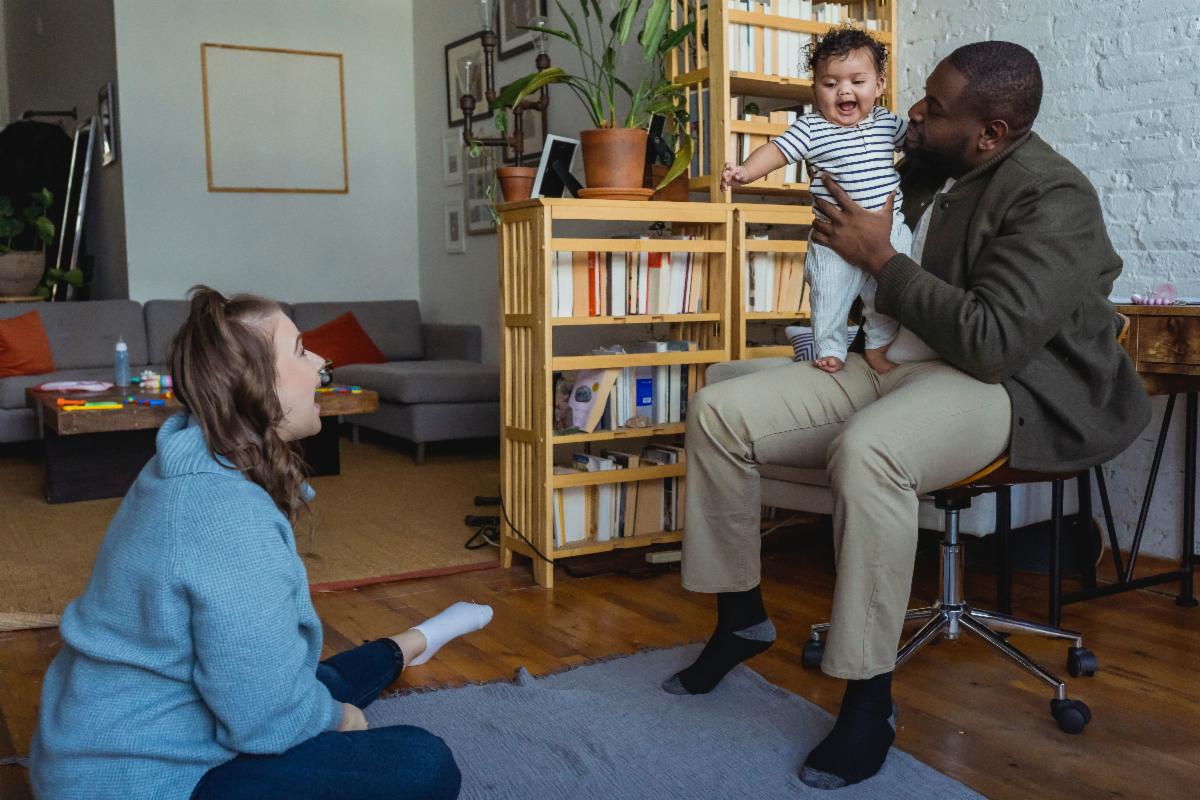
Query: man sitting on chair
[1008, 284]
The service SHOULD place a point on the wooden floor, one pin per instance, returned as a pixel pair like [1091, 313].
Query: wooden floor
[964, 711]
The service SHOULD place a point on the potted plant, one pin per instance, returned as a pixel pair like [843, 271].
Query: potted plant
[21, 270]
[614, 150]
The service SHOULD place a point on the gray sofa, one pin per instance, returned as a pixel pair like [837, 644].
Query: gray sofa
[432, 388]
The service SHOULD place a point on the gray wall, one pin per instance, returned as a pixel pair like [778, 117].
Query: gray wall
[360, 245]
[1123, 103]
[59, 53]
[466, 286]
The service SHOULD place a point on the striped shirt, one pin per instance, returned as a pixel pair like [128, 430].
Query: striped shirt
[860, 157]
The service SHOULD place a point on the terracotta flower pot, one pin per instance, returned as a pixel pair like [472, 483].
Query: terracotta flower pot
[20, 272]
[516, 183]
[614, 158]
[676, 190]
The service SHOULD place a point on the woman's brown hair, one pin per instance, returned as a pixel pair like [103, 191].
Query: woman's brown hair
[223, 369]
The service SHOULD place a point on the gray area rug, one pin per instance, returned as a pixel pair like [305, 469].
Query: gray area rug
[606, 730]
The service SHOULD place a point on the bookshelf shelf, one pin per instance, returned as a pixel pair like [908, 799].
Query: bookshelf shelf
[618, 476]
[619, 434]
[781, 315]
[636, 319]
[532, 235]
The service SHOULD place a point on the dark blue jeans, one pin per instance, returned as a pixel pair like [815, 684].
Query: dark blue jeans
[395, 762]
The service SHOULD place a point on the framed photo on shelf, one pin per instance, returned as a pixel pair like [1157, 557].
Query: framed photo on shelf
[108, 125]
[535, 136]
[480, 172]
[452, 156]
[455, 241]
[467, 47]
[557, 158]
[513, 14]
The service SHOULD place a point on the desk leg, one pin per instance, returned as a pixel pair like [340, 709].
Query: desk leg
[1186, 598]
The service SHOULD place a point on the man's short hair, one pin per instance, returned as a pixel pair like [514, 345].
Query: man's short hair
[1004, 82]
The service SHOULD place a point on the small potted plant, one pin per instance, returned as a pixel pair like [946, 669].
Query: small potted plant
[614, 150]
[21, 270]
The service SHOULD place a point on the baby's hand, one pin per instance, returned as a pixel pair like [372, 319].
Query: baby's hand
[734, 175]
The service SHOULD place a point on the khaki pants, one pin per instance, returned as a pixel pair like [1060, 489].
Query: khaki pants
[884, 441]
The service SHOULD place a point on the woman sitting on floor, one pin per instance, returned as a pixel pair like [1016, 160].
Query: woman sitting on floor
[189, 665]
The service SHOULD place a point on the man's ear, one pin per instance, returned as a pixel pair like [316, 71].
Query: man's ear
[993, 136]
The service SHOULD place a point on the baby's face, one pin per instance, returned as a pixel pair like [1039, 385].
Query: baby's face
[846, 88]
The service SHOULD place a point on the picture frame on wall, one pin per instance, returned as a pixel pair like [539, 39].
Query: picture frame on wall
[512, 15]
[452, 159]
[466, 47]
[106, 110]
[456, 242]
[534, 139]
[479, 173]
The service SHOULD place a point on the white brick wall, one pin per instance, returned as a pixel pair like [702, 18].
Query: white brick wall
[1122, 101]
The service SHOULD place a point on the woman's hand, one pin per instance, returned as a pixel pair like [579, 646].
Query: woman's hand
[861, 237]
[353, 719]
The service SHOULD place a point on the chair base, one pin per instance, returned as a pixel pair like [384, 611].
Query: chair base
[949, 616]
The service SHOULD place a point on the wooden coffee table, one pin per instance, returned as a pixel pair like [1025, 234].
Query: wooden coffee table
[95, 454]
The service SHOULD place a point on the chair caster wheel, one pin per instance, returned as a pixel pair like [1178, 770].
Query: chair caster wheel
[1081, 661]
[1072, 716]
[814, 651]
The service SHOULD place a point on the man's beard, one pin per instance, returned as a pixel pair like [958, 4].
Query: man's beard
[951, 160]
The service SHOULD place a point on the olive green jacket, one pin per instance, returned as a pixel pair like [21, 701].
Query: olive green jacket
[1013, 289]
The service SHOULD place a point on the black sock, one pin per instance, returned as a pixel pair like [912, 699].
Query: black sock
[858, 744]
[743, 631]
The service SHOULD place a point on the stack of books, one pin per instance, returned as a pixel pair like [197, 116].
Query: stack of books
[619, 397]
[618, 510]
[602, 284]
[774, 281]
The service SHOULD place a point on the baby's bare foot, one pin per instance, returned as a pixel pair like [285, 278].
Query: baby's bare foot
[877, 360]
[830, 364]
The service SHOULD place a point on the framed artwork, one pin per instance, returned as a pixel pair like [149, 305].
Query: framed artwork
[535, 136]
[108, 125]
[455, 241]
[452, 156]
[274, 120]
[513, 14]
[480, 172]
[467, 47]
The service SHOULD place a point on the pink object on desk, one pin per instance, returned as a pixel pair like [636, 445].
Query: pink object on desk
[75, 386]
[1163, 295]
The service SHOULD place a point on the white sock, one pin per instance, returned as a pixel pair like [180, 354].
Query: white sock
[458, 619]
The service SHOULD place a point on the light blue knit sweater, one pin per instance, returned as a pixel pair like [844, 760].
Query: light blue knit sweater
[194, 641]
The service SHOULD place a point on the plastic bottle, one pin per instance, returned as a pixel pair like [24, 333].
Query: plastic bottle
[121, 363]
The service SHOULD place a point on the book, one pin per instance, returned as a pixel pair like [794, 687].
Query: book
[603, 496]
[590, 396]
[570, 517]
[627, 492]
[580, 285]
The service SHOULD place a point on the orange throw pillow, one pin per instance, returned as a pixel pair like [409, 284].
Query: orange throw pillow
[24, 347]
[343, 341]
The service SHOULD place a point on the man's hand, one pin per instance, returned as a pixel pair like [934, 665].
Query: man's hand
[353, 719]
[863, 238]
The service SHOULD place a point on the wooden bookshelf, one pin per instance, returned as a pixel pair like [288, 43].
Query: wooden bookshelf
[531, 232]
[697, 66]
[788, 234]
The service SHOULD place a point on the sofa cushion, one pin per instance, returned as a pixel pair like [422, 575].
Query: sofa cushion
[24, 348]
[164, 318]
[425, 381]
[394, 325]
[12, 390]
[85, 334]
[343, 341]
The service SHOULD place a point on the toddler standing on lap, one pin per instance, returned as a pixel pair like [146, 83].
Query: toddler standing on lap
[852, 140]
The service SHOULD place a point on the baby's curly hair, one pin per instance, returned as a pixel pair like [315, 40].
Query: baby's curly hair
[841, 42]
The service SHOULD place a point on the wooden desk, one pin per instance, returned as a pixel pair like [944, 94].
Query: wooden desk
[1164, 343]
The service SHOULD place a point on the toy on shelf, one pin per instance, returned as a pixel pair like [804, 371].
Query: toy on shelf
[151, 381]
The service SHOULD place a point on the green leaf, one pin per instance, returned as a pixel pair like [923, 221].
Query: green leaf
[654, 27]
[519, 89]
[6, 206]
[75, 278]
[675, 38]
[45, 229]
[623, 85]
[683, 160]
[42, 291]
[624, 22]
[43, 197]
[10, 227]
[55, 274]
[570, 23]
